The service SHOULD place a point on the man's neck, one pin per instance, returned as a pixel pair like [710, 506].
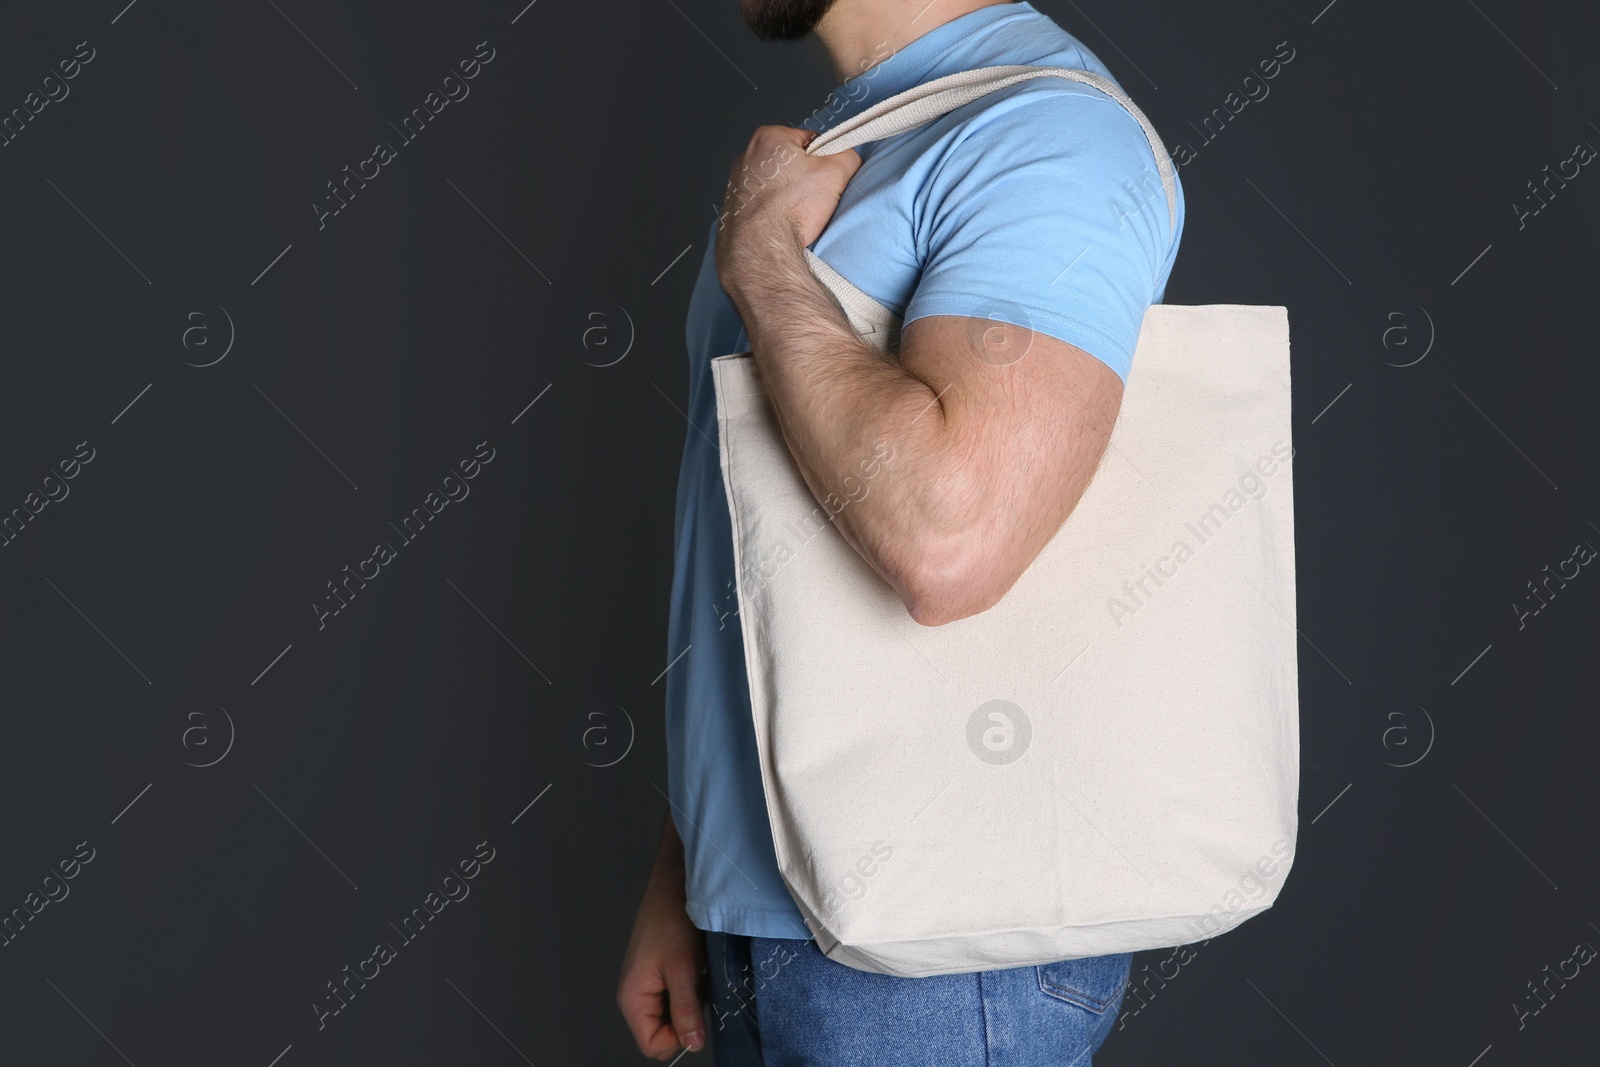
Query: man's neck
[861, 33]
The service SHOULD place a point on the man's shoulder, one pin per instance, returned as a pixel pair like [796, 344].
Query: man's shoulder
[1048, 132]
[1053, 112]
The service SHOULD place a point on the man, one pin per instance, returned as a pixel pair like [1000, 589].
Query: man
[1021, 239]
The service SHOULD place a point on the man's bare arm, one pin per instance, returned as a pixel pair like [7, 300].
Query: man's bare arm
[661, 991]
[995, 430]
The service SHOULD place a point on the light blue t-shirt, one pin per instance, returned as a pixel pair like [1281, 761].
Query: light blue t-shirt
[1039, 205]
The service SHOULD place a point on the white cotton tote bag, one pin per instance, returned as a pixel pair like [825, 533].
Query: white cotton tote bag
[1105, 761]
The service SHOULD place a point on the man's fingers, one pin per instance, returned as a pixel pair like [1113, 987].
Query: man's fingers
[644, 1010]
[772, 136]
[683, 998]
[848, 162]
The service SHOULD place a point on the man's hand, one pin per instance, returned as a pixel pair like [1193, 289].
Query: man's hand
[660, 990]
[776, 195]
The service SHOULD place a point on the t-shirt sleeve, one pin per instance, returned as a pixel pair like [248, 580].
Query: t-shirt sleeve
[1049, 213]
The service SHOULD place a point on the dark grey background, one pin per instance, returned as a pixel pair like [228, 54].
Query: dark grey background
[455, 689]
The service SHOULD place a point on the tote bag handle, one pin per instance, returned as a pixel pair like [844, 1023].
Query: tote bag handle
[930, 100]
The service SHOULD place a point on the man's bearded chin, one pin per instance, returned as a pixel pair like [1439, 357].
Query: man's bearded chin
[783, 20]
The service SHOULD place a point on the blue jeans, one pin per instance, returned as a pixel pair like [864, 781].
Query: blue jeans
[782, 1003]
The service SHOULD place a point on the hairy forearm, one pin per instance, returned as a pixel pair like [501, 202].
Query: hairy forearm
[873, 441]
[949, 465]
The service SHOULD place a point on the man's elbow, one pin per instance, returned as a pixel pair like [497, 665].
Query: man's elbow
[942, 612]
[952, 584]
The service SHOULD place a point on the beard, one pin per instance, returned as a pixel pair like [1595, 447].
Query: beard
[783, 20]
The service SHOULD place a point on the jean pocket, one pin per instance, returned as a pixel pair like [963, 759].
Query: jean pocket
[1094, 984]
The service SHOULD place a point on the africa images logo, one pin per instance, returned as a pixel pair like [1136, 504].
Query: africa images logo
[999, 732]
